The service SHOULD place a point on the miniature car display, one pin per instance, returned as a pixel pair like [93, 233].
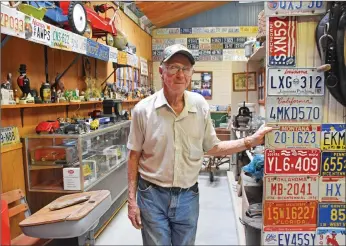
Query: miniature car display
[47, 126]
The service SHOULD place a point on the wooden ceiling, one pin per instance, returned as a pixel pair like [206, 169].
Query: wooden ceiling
[164, 13]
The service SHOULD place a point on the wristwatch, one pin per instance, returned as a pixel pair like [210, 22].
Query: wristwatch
[247, 143]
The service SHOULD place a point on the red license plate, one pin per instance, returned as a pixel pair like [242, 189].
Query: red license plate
[282, 41]
[287, 213]
[297, 187]
[292, 161]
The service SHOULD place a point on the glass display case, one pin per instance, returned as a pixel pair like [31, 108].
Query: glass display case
[74, 162]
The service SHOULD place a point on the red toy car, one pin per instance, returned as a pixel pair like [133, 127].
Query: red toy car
[47, 126]
[98, 26]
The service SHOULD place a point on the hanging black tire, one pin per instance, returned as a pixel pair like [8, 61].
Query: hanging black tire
[211, 176]
[78, 28]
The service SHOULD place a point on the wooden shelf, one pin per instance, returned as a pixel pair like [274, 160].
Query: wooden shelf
[83, 103]
[258, 54]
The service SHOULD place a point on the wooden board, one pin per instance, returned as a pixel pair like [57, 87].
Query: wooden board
[76, 212]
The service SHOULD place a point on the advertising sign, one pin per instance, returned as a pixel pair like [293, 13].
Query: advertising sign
[291, 109]
[144, 67]
[332, 215]
[97, 50]
[289, 236]
[286, 188]
[330, 236]
[294, 8]
[333, 137]
[332, 189]
[333, 164]
[295, 81]
[282, 41]
[37, 31]
[292, 161]
[293, 136]
[12, 22]
[290, 213]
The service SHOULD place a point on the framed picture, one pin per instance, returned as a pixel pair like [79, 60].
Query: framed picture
[202, 83]
[239, 81]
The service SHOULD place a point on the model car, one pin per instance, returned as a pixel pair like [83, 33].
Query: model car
[47, 126]
[69, 15]
[75, 128]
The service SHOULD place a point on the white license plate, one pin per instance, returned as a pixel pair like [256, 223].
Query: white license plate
[330, 236]
[9, 135]
[294, 8]
[295, 81]
[332, 189]
[293, 136]
[291, 187]
[286, 109]
[289, 236]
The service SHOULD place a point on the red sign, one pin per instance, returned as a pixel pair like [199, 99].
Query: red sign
[287, 213]
[282, 41]
[292, 161]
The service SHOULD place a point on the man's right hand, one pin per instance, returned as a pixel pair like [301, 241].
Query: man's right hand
[134, 215]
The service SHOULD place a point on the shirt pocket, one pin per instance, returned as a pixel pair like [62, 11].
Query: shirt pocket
[196, 149]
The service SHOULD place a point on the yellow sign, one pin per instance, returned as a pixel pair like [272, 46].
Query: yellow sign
[248, 29]
[86, 170]
[9, 135]
[122, 58]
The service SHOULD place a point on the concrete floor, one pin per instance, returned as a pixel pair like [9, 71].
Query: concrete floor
[216, 225]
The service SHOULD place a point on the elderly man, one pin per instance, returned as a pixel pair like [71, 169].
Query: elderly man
[170, 132]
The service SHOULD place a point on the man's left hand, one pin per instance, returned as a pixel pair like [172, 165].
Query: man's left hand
[258, 137]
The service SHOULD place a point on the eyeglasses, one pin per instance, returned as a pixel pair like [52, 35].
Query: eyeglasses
[173, 69]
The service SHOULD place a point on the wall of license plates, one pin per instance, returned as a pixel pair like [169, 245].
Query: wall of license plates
[305, 159]
[205, 43]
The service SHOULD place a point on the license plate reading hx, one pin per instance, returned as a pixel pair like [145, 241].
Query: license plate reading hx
[293, 136]
[295, 81]
[290, 213]
[292, 161]
[286, 109]
[332, 215]
[289, 236]
[332, 189]
[333, 137]
[291, 187]
[333, 164]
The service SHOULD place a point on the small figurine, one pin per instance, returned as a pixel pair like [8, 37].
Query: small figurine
[23, 82]
[7, 96]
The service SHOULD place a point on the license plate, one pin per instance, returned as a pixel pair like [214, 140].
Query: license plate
[282, 41]
[291, 187]
[293, 136]
[296, 8]
[295, 81]
[289, 213]
[286, 109]
[331, 215]
[292, 161]
[9, 135]
[333, 164]
[289, 236]
[330, 236]
[332, 189]
[333, 137]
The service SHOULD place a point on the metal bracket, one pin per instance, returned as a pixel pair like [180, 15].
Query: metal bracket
[59, 76]
[22, 116]
[108, 77]
[4, 40]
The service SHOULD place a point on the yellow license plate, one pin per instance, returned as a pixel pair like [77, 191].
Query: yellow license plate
[9, 135]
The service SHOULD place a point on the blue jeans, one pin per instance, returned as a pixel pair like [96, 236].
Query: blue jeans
[169, 216]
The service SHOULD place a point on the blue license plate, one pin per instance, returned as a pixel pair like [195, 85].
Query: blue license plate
[331, 215]
[333, 164]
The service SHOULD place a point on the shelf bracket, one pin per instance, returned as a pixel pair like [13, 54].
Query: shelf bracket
[59, 76]
[67, 111]
[22, 116]
[108, 77]
[4, 40]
